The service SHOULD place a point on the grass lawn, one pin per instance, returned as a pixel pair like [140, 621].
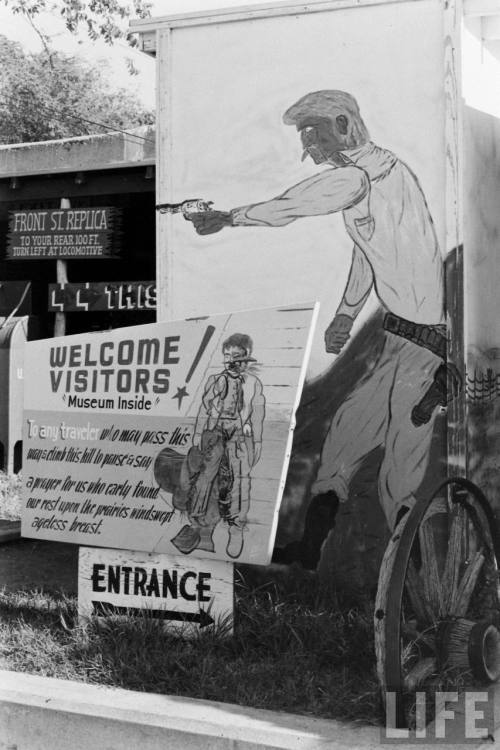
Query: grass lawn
[10, 497]
[295, 647]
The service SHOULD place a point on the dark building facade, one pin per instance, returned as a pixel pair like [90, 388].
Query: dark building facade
[42, 295]
[115, 171]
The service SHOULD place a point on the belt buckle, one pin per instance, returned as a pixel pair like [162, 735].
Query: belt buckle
[391, 322]
[407, 329]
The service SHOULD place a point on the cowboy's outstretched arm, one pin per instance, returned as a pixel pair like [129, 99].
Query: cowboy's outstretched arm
[325, 193]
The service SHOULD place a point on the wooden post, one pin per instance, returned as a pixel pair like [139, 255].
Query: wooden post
[62, 278]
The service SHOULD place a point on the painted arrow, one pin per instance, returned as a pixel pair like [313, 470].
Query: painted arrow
[202, 618]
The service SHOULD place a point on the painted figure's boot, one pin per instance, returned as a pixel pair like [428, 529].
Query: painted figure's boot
[319, 521]
[434, 396]
[206, 542]
[187, 539]
[403, 510]
[235, 542]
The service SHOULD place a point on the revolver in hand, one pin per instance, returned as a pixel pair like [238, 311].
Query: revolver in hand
[203, 217]
[186, 208]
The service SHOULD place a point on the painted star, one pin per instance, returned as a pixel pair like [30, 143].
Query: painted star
[181, 394]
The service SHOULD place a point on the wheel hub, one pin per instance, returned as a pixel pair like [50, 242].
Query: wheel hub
[465, 644]
[484, 652]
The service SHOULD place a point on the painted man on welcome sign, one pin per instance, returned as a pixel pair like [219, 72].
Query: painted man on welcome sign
[397, 254]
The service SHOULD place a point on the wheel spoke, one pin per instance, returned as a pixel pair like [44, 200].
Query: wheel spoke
[416, 595]
[440, 567]
[430, 571]
[470, 538]
[419, 673]
[466, 586]
[439, 506]
[453, 560]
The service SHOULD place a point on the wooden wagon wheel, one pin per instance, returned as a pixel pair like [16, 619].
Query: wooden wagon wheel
[438, 599]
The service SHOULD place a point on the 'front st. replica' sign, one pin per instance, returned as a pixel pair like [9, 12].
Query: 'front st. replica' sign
[63, 233]
[171, 437]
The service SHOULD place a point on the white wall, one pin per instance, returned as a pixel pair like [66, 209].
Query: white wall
[226, 87]
[481, 88]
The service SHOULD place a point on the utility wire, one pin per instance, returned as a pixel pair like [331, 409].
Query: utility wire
[48, 108]
[66, 115]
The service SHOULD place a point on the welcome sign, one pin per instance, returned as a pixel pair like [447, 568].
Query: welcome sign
[172, 437]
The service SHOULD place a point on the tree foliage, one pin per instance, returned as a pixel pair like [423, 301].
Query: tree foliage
[42, 97]
[105, 19]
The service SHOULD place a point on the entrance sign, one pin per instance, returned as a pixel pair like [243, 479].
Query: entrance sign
[93, 296]
[63, 233]
[175, 590]
[171, 437]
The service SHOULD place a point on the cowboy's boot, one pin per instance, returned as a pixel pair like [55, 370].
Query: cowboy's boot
[234, 546]
[206, 542]
[187, 539]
